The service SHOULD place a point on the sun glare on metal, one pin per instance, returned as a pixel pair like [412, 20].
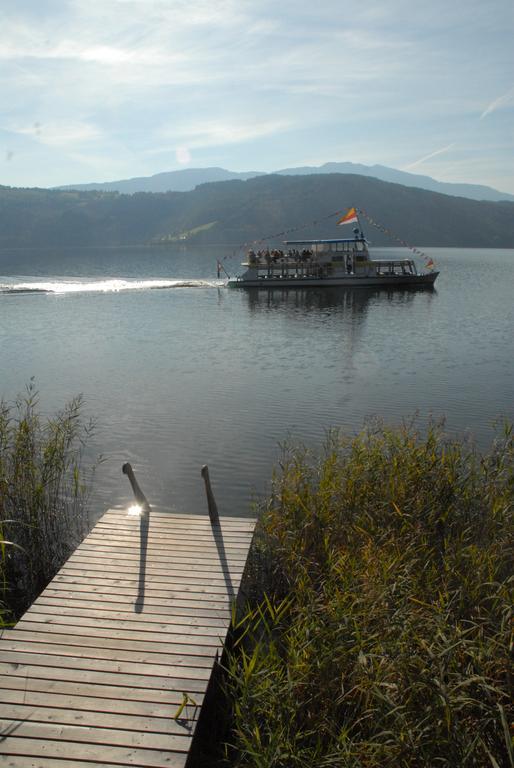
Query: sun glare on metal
[135, 510]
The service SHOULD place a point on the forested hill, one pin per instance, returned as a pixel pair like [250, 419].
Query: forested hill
[234, 212]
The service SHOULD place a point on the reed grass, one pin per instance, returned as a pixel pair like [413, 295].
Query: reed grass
[380, 631]
[44, 491]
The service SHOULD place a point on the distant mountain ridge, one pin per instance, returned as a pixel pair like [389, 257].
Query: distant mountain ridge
[382, 172]
[184, 180]
[267, 209]
[187, 179]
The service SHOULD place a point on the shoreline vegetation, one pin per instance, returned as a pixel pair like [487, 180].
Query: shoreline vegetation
[378, 631]
[44, 492]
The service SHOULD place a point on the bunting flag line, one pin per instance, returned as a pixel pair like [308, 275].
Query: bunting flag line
[276, 235]
[428, 261]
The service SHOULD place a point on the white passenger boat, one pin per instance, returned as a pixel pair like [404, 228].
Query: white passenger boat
[339, 261]
[327, 263]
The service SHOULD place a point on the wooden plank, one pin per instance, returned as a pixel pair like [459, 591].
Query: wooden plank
[175, 587]
[97, 638]
[149, 714]
[115, 529]
[96, 669]
[115, 599]
[37, 729]
[190, 524]
[148, 681]
[46, 712]
[158, 638]
[226, 522]
[153, 576]
[120, 532]
[113, 664]
[152, 596]
[91, 644]
[115, 693]
[140, 622]
[124, 567]
[188, 616]
[176, 562]
[95, 577]
[153, 612]
[107, 755]
[48, 646]
[156, 525]
[184, 555]
[160, 537]
[26, 761]
[121, 555]
[117, 575]
[160, 540]
[127, 565]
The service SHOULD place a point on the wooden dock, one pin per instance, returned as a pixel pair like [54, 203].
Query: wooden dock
[110, 665]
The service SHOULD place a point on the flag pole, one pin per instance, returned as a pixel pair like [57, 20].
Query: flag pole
[359, 223]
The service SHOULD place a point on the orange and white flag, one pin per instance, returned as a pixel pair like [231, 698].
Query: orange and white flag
[349, 217]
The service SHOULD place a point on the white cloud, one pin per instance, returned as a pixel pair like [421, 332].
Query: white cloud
[498, 103]
[428, 157]
[215, 133]
[58, 134]
[109, 55]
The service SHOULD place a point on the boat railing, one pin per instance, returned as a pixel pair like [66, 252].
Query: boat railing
[394, 266]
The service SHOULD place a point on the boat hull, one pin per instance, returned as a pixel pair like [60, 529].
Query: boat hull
[354, 281]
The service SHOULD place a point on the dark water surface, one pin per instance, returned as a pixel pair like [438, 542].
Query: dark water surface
[196, 374]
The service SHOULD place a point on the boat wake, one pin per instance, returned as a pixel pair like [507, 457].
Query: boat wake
[114, 285]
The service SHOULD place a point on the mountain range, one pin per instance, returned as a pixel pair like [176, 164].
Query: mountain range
[187, 179]
[264, 209]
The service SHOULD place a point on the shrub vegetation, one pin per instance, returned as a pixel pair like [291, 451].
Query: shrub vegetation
[381, 629]
[43, 496]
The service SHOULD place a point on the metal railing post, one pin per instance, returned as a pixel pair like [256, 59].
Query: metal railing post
[211, 503]
[138, 493]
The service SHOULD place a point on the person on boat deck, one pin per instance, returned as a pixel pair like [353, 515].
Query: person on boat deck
[349, 264]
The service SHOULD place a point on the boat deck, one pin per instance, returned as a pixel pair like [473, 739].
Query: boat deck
[110, 665]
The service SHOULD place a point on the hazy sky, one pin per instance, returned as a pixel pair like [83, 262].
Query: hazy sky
[95, 90]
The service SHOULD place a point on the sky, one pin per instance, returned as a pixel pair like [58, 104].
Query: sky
[98, 90]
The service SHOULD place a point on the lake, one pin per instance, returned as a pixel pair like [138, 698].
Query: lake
[193, 373]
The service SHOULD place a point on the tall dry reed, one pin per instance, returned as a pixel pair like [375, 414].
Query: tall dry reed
[383, 631]
[43, 495]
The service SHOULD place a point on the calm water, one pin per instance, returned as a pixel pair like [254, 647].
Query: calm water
[199, 374]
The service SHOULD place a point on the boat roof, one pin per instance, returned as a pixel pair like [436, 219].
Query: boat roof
[322, 242]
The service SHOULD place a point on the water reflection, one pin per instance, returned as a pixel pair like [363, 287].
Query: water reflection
[355, 300]
[338, 322]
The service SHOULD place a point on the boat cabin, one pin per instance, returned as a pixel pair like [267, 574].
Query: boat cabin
[309, 258]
